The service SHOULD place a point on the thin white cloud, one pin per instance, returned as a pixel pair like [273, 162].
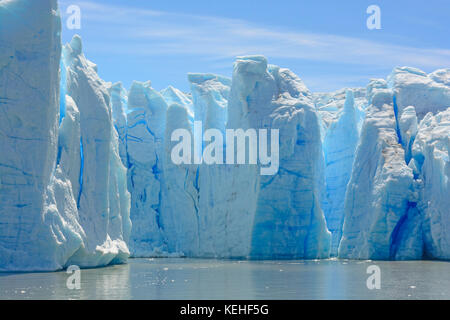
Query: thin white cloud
[148, 32]
[142, 33]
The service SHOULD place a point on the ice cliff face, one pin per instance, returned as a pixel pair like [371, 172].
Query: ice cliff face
[339, 148]
[31, 225]
[210, 94]
[228, 211]
[146, 122]
[179, 191]
[102, 199]
[425, 233]
[395, 204]
[119, 108]
[362, 173]
[63, 199]
[289, 222]
[380, 185]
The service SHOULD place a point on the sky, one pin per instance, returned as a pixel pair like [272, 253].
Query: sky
[325, 42]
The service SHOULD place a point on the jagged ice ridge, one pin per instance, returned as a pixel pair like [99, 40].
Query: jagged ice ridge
[86, 175]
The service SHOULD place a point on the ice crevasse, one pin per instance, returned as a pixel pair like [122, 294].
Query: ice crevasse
[87, 178]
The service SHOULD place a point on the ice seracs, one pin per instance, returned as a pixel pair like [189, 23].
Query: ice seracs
[87, 175]
[102, 200]
[413, 87]
[289, 222]
[407, 124]
[339, 147]
[380, 187]
[430, 154]
[146, 120]
[60, 179]
[179, 201]
[174, 96]
[119, 109]
[210, 95]
[229, 211]
[33, 233]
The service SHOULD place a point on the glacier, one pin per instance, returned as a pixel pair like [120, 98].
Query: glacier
[63, 197]
[430, 154]
[289, 222]
[380, 186]
[339, 147]
[144, 135]
[87, 177]
[102, 199]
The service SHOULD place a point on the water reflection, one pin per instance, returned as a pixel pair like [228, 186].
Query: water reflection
[190, 279]
[215, 279]
[101, 283]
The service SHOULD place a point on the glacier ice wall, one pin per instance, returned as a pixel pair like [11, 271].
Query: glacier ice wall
[289, 222]
[172, 95]
[210, 95]
[179, 204]
[34, 234]
[102, 198]
[354, 183]
[413, 87]
[119, 102]
[63, 199]
[398, 216]
[431, 163]
[380, 185]
[230, 211]
[363, 172]
[146, 121]
[339, 147]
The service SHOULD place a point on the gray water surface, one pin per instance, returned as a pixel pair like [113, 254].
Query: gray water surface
[175, 278]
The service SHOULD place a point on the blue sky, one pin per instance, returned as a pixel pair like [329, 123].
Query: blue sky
[326, 43]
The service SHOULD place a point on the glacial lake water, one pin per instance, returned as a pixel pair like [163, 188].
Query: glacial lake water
[176, 278]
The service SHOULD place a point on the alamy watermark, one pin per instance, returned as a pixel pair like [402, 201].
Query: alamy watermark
[374, 20]
[242, 147]
[74, 280]
[74, 20]
[374, 280]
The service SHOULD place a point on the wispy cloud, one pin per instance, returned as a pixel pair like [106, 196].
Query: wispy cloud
[141, 36]
[140, 32]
